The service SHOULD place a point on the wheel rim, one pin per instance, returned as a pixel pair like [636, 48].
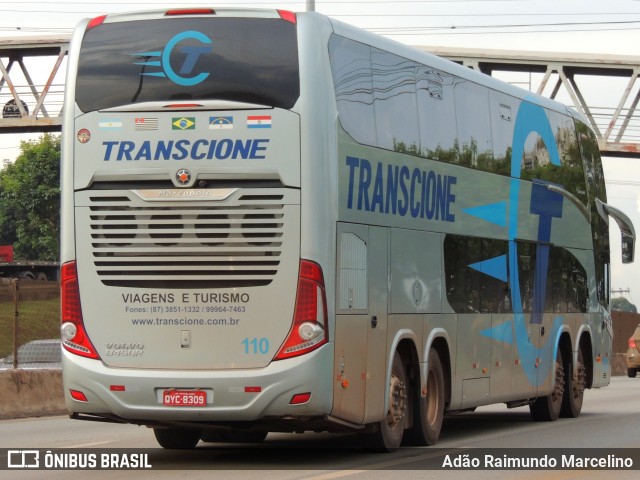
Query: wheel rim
[580, 383]
[556, 395]
[433, 398]
[397, 402]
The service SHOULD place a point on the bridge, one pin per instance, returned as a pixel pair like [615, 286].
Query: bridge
[604, 88]
[32, 83]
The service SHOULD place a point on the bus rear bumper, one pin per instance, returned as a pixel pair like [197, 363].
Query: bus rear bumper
[136, 395]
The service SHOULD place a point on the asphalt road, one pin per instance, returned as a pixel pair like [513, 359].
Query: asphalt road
[610, 419]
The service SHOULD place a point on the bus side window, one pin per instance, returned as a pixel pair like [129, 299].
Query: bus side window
[594, 176]
[351, 70]
[395, 102]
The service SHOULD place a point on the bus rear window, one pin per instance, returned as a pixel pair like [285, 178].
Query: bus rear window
[252, 60]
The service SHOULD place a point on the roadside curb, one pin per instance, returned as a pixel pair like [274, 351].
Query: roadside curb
[31, 393]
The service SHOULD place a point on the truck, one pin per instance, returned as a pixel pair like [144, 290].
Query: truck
[26, 269]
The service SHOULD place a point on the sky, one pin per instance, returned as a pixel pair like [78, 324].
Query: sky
[574, 26]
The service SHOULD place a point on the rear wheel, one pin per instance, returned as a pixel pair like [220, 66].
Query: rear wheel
[576, 383]
[177, 438]
[548, 408]
[429, 409]
[631, 372]
[389, 434]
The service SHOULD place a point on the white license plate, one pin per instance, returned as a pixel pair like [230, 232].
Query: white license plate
[184, 398]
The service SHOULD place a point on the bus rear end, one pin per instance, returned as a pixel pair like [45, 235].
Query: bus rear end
[184, 298]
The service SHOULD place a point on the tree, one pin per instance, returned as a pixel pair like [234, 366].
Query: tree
[621, 304]
[30, 200]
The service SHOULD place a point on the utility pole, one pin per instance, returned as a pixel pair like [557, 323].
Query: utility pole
[621, 291]
[311, 5]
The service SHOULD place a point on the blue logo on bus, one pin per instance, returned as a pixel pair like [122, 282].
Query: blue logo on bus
[547, 205]
[185, 74]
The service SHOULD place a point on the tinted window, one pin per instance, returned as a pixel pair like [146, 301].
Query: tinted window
[394, 92]
[596, 189]
[470, 286]
[476, 283]
[474, 125]
[242, 59]
[436, 114]
[536, 162]
[351, 70]
[388, 101]
[503, 111]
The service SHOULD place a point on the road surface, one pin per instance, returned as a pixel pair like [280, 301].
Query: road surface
[610, 419]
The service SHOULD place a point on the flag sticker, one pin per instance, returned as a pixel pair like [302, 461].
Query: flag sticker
[145, 123]
[108, 124]
[259, 121]
[183, 123]
[219, 123]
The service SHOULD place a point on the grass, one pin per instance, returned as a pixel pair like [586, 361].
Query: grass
[37, 319]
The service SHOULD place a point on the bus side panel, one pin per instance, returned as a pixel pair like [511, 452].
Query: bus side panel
[502, 361]
[350, 367]
[474, 357]
[416, 272]
[361, 334]
[378, 330]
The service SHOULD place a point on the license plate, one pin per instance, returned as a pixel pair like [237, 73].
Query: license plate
[184, 398]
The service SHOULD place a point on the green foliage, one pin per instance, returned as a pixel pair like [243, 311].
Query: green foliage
[621, 304]
[35, 321]
[30, 200]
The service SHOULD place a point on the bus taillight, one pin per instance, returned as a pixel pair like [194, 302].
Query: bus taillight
[74, 336]
[288, 16]
[94, 22]
[190, 11]
[309, 330]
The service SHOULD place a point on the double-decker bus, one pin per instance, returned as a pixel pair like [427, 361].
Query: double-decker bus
[277, 222]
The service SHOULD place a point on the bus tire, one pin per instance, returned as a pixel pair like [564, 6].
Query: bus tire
[429, 409]
[389, 432]
[576, 383]
[177, 438]
[547, 408]
[631, 372]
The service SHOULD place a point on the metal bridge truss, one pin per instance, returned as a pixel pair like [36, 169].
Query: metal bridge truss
[604, 88]
[32, 73]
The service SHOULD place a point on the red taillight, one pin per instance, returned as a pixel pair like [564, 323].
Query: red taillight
[300, 398]
[632, 343]
[183, 105]
[78, 396]
[74, 336]
[94, 22]
[288, 16]
[309, 330]
[190, 11]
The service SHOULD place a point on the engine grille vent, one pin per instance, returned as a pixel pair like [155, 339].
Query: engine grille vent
[186, 244]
